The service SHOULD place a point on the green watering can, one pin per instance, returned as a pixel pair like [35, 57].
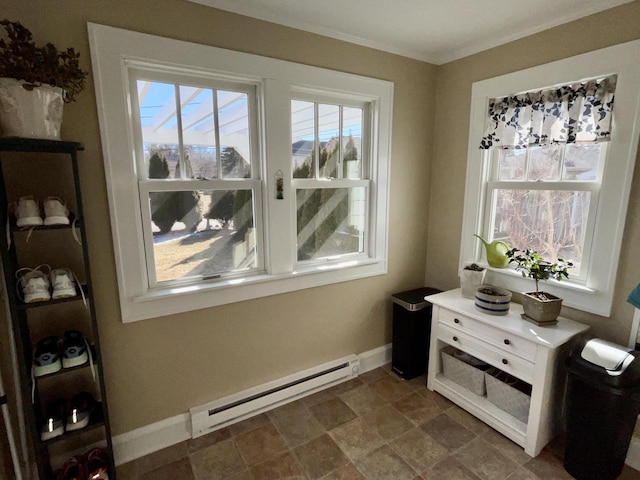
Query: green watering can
[496, 252]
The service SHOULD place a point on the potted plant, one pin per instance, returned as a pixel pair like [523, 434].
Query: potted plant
[492, 300]
[540, 307]
[471, 277]
[35, 82]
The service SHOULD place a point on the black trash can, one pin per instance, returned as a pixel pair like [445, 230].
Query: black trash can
[411, 332]
[603, 402]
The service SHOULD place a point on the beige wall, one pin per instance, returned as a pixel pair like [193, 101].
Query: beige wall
[159, 368]
[453, 97]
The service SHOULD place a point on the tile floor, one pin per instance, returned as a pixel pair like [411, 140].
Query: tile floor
[375, 427]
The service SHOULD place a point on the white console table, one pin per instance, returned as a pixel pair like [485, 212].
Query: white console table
[531, 353]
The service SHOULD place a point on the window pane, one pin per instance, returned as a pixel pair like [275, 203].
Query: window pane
[198, 132]
[303, 134]
[329, 137]
[551, 222]
[235, 155]
[544, 163]
[330, 221]
[352, 141]
[202, 233]
[511, 164]
[581, 162]
[159, 127]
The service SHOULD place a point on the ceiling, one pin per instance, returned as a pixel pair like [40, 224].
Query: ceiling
[435, 31]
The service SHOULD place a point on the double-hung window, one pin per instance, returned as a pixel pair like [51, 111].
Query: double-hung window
[198, 186]
[330, 164]
[549, 168]
[233, 176]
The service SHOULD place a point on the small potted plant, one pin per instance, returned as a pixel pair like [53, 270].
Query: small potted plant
[35, 82]
[471, 277]
[540, 307]
[492, 300]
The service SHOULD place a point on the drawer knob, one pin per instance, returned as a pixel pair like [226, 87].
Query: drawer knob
[505, 361]
[455, 339]
[455, 320]
[506, 341]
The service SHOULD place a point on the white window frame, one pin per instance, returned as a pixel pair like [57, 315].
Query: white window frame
[147, 185]
[319, 182]
[593, 294]
[115, 51]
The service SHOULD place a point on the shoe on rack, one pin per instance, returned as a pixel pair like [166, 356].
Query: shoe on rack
[55, 211]
[63, 281]
[73, 469]
[27, 212]
[53, 425]
[79, 411]
[46, 359]
[34, 283]
[74, 349]
[97, 464]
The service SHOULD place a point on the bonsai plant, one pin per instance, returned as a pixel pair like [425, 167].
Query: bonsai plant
[541, 307]
[35, 81]
[471, 277]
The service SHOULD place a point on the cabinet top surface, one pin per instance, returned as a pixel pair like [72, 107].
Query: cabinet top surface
[552, 336]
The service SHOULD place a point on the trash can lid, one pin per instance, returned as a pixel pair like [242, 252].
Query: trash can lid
[413, 300]
[612, 357]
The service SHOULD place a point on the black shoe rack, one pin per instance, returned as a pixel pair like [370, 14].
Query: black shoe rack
[44, 168]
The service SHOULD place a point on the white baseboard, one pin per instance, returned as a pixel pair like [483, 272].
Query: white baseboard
[165, 433]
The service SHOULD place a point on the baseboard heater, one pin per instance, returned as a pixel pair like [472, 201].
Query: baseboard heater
[246, 404]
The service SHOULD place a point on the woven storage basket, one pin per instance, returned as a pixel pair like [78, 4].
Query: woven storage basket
[464, 374]
[509, 393]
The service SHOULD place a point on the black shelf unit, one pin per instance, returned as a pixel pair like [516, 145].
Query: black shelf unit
[56, 155]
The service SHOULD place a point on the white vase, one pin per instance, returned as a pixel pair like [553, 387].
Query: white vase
[30, 111]
[470, 280]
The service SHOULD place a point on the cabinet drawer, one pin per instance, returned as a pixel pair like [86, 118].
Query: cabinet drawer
[497, 357]
[504, 340]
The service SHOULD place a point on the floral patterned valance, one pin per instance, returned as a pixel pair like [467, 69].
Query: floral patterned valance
[578, 113]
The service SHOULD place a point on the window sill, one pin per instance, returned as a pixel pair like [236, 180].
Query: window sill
[574, 295]
[179, 299]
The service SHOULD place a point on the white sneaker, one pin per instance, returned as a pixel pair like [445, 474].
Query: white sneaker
[55, 211]
[63, 282]
[34, 284]
[27, 212]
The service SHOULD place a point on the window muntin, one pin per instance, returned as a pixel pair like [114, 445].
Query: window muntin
[198, 134]
[544, 198]
[327, 142]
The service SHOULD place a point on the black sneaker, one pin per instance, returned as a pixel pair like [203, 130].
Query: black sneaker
[74, 349]
[79, 411]
[53, 425]
[46, 359]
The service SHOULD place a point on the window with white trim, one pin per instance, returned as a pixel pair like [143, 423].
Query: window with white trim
[200, 197]
[565, 198]
[233, 176]
[330, 178]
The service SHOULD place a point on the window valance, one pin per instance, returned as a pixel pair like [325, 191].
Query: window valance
[577, 113]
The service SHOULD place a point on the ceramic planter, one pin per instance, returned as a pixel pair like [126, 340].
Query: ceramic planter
[493, 300]
[541, 311]
[30, 111]
[470, 280]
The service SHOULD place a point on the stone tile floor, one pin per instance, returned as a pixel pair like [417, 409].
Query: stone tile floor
[375, 427]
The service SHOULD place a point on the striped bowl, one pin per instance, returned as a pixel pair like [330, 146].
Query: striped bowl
[492, 300]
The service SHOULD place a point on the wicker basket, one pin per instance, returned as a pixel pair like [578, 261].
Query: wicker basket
[463, 373]
[509, 393]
